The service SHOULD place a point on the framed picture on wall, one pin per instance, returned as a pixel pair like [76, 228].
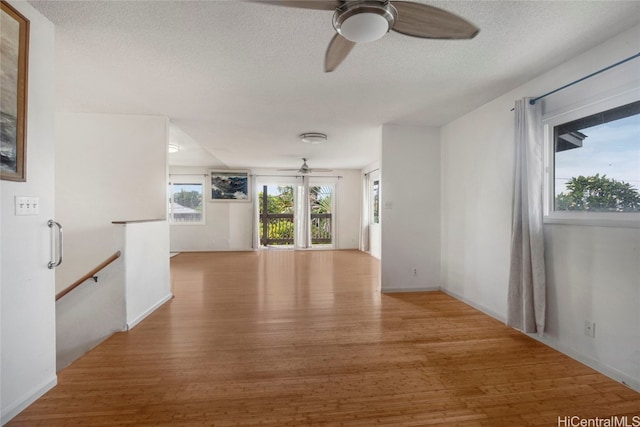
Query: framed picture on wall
[230, 185]
[14, 39]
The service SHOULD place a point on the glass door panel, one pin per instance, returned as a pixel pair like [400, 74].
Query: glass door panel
[321, 199]
[276, 215]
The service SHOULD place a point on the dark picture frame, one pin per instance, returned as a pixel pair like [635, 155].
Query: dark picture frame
[14, 61]
[229, 185]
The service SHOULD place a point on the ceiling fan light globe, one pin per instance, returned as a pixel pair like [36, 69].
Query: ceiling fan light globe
[364, 23]
[364, 28]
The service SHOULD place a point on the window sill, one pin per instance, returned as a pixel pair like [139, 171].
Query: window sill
[594, 219]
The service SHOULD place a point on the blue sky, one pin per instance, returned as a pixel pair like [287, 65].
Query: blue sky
[611, 149]
[273, 189]
[187, 187]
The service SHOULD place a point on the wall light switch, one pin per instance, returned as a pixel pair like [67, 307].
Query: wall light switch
[27, 205]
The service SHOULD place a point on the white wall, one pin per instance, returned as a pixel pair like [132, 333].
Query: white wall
[128, 290]
[477, 163]
[108, 168]
[410, 208]
[371, 233]
[229, 225]
[593, 272]
[146, 260]
[27, 310]
[89, 314]
[348, 203]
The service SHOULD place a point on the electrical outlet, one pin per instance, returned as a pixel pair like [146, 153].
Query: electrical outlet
[590, 329]
[414, 271]
[27, 205]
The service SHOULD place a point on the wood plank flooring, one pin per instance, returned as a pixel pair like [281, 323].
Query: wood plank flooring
[286, 338]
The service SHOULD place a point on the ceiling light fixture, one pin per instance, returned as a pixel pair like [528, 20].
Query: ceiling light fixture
[174, 148]
[313, 138]
[362, 23]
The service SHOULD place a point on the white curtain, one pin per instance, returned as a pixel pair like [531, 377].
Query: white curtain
[302, 215]
[255, 240]
[364, 212]
[527, 284]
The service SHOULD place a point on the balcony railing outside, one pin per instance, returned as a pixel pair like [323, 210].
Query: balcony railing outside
[320, 228]
[277, 228]
[282, 226]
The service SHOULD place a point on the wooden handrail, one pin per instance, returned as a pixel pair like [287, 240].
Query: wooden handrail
[89, 275]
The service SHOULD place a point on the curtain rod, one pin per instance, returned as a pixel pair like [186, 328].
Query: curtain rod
[298, 176]
[534, 100]
[271, 176]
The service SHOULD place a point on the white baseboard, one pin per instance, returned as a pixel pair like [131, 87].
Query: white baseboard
[206, 251]
[480, 307]
[421, 289]
[31, 396]
[609, 371]
[134, 322]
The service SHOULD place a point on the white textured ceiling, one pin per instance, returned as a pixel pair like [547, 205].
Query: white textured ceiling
[241, 80]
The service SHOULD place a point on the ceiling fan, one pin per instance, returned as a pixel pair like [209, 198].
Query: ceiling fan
[305, 169]
[362, 21]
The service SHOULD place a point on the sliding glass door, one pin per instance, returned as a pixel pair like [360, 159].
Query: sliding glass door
[298, 214]
[276, 215]
[321, 198]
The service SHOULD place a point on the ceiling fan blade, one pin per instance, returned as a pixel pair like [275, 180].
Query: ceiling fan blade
[428, 22]
[303, 4]
[289, 170]
[320, 170]
[338, 49]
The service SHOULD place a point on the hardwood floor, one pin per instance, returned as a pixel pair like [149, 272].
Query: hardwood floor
[287, 338]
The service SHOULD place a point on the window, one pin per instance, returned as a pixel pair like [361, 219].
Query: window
[376, 201]
[186, 202]
[594, 164]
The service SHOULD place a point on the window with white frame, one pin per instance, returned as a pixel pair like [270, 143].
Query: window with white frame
[594, 163]
[186, 201]
[375, 201]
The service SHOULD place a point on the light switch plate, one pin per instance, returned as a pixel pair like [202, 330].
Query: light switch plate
[27, 205]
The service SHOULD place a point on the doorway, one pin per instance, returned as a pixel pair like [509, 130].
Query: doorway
[322, 224]
[276, 213]
[296, 215]
[372, 215]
